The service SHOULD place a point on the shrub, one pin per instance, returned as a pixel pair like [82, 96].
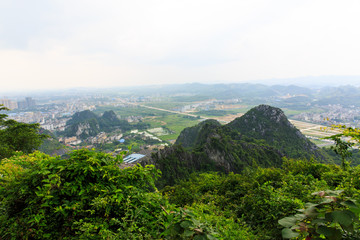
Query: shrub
[85, 196]
[333, 217]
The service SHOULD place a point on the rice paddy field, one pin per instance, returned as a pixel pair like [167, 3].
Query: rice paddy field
[313, 130]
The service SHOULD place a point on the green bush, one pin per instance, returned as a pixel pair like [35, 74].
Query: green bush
[334, 217]
[16, 136]
[86, 196]
[262, 207]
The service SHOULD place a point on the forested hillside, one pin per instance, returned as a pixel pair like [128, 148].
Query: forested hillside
[261, 137]
[86, 123]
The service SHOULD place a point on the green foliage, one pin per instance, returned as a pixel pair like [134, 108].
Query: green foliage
[196, 135]
[184, 224]
[259, 138]
[334, 216]
[210, 147]
[85, 196]
[258, 197]
[353, 160]
[228, 227]
[90, 124]
[51, 145]
[17, 136]
[263, 206]
[342, 146]
[270, 124]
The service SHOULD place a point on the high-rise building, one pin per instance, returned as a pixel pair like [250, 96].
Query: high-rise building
[28, 103]
[22, 105]
[8, 103]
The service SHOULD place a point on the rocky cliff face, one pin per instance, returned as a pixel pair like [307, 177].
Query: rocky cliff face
[85, 129]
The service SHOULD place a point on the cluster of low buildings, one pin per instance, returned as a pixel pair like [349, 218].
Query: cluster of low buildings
[98, 139]
[104, 138]
[333, 114]
[70, 140]
[51, 116]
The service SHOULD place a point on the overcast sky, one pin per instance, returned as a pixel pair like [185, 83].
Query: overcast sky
[63, 43]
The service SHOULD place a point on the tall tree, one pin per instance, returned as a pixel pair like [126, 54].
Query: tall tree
[17, 136]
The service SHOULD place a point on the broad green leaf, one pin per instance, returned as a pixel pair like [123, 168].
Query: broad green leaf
[288, 233]
[309, 204]
[185, 224]
[311, 211]
[287, 221]
[326, 231]
[300, 217]
[200, 237]
[327, 200]
[328, 217]
[319, 220]
[342, 217]
[210, 237]
[349, 228]
[334, 192]
[188, 233]
[350, 203]
[329, 233]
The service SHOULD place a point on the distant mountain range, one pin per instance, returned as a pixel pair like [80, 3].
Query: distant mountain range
[253, 94]
[280, 93]
[261, 137]
[315, 81]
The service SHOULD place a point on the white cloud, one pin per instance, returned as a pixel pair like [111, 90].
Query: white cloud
[98, 43]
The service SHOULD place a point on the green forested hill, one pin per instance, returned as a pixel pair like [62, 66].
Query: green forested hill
[86, 123]
[271, 125]
[192, 136]
[261, 137]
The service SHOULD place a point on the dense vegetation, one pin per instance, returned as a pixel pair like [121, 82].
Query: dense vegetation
[261, 137]
[271, 125]
[88, 196]
[86, 123]
[51, 144]
[16, 136]
[259, 197]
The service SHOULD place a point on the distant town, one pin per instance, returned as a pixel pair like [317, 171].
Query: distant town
[156, 118]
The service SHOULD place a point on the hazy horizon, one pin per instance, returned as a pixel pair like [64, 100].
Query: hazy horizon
[72, 44]
[321, 82]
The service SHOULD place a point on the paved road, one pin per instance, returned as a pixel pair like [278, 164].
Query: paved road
[175, 112]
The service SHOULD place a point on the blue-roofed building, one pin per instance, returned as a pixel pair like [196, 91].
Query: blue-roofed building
[133, 158]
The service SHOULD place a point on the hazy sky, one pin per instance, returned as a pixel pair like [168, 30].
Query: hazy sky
[62, 43]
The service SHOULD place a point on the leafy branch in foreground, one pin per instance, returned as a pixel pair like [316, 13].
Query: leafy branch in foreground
[184, 224]
[344, 141]
[333, 217]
